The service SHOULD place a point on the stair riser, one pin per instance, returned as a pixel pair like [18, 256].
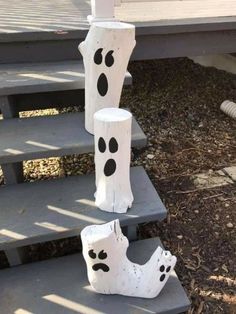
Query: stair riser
[59, 99]
[40, 51]
[157, 44]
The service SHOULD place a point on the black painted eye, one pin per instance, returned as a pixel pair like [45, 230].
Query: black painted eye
[102, 255]
[168, 269]
[98, 56]
[92, 254]
[101, 145]
[109, 60]
[113, 145]
[162, 268]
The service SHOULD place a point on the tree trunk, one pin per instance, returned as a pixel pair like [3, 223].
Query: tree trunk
[112, 159]
[106, 52]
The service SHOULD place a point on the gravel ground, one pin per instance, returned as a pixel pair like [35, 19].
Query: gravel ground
[177, 104]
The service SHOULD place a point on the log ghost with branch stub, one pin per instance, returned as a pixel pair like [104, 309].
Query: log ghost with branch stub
[111, 272]
[106, 52]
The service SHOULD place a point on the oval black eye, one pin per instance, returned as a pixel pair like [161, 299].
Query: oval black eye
[101, 145]
[102, 255]
[109, 60]
[98, 56]
[92, 254]
[113, 145]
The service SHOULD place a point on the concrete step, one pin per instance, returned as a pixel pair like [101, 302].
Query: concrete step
[48, 210]
[60, 286]
[48, 136]
[43, 77]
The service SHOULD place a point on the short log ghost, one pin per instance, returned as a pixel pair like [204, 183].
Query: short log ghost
[111, 272]
[106, 52]
[112, 159]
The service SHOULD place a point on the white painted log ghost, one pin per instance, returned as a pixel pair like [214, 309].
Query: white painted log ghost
[102, 10]
[111, 272]
[112, 159]
[106, 52]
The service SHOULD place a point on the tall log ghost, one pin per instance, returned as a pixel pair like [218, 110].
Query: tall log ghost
[106, 52]
[112, 159]
[111, 272]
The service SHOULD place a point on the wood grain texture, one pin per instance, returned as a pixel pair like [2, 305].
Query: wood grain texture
[61, 208]
[175, 9]
[65, 16]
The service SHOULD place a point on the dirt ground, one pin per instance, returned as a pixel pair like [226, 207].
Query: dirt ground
[177, 104]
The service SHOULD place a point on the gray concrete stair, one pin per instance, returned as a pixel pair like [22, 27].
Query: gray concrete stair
[60, 286]
[31, 78]
[48, 210]
[48, 136]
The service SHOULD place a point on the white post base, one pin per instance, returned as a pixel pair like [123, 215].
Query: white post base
[91, 19]
[111, 272]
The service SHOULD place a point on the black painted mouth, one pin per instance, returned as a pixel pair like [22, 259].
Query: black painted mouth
[102, 85]
[110, 167]
[101, 266]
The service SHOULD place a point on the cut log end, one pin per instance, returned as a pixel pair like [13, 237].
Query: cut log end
[112, 115]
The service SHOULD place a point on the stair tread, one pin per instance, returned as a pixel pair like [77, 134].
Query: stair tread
[60, 208]
[49, 136]
[43, 77]
[60, 286]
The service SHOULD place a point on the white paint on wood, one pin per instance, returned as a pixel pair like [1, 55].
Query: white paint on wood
[111, 272]
[106, 52]
[102, 10]
[112, 128]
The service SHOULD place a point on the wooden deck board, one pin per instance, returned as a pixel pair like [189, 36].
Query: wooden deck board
[175, 10]
[25, 16]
